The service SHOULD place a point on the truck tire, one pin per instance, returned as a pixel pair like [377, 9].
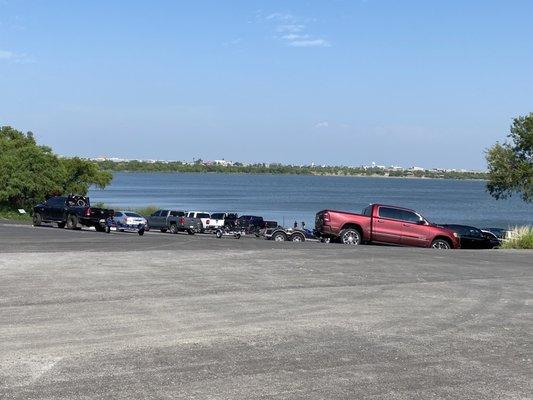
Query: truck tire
[279, 237]
[72, 222]
[163, 230]
[350, 236]
[60, 225]
[147, 228]
[191, 231]
[218, 233]
[441, 244]
[297, 237]
[37, 219]
[173, 229]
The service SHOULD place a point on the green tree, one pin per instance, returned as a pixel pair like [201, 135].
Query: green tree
[30, 172]
[510, 164]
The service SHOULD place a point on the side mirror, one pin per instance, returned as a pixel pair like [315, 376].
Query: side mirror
[421, 222]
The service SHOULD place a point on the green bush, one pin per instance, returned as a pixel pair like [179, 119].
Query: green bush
[519, 238]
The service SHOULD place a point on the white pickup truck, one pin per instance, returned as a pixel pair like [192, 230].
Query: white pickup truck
[219, 219]
[207, 223]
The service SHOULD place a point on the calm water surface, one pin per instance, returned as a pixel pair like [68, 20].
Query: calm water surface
[286, 198]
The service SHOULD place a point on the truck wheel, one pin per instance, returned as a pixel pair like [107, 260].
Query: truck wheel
[147, 227]
[297, 237]
[37, 219]
[279, 237]
[191, 232]
[107, 229]
[141, 232]
[60, 225]
[237, 236]
[72, 222]
[173, 229]
[440, 244]
[218, 233]
[350, 236]
[163, 230]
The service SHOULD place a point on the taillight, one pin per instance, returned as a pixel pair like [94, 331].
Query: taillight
[326, 217]
[181, 220]
[88, 212]
[207, 222]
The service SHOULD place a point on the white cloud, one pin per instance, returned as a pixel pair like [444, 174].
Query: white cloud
[293, 31]
[290, 28]
[310, 43]
[12, 56]
[322, 124]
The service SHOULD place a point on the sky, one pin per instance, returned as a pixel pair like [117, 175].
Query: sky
[425, 83]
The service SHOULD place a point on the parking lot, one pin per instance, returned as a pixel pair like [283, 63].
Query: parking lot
[94, 315]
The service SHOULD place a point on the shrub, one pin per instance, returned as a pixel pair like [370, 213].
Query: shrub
[519, 238]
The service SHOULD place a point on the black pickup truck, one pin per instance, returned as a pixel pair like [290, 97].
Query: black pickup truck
[71, 211]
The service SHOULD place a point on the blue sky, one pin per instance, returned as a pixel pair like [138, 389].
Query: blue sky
[339, 82]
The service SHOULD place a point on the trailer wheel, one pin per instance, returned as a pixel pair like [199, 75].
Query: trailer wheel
[297, 237]
[141, 232]
[237, 236]
[173, 229]
[279, 237]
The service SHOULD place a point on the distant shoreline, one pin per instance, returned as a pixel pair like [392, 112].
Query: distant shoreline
[464, 178]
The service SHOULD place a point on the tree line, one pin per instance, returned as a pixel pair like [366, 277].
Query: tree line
[282, 169]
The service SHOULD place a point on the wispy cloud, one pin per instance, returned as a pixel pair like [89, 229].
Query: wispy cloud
[309, 43]
[7, 55]
[322, 124]
[294, 31]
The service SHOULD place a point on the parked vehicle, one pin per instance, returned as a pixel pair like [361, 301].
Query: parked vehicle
[219, 219]
[473, 238]
[127, 221]
[72, 211]
[384, 224]
[205, 217]
[498, 232]
[250, 224]
[174, 221]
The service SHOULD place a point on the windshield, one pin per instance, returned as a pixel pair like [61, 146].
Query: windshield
[132, 214]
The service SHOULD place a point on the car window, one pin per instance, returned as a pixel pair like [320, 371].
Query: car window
[367, 211]
[474, 232]
[132, 214]
[392, 213]
[118, 214]
[217, 216]
[203, 215]
[156, 214]
[409, 216]
[177, 213]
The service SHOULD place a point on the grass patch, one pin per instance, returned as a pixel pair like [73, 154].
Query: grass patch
[8, 213]
[519, 238]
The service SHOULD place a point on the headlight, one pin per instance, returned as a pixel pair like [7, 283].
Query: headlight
[455, 234]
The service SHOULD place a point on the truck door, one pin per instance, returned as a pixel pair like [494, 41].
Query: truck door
[415, 229]
[155, 219]
[387, 226]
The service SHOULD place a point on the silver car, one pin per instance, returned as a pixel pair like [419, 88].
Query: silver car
[128, 220]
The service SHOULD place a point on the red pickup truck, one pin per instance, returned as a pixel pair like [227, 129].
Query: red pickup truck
[384, 224]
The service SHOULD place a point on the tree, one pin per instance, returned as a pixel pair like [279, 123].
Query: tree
[511, 163]
[30, 172]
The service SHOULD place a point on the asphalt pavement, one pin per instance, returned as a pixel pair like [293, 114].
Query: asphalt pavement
[87, 315]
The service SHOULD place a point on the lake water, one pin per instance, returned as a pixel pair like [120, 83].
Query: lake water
[286, 198]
